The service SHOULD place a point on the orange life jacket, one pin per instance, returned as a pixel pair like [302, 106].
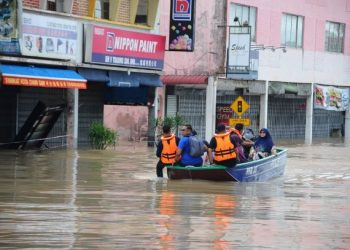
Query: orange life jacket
[169, 149]
[235, 131]
[225, 149]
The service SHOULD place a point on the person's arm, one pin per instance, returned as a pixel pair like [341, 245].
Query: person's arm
[212, 146]
[274, 150]
[180, 147]
[159, 149]
[210, 156]
[247, 142]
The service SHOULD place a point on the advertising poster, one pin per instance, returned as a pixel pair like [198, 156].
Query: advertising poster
[9, 44]
[111, 46]
[181, 32]
[331, 98]
[223, 114]
[51, 37]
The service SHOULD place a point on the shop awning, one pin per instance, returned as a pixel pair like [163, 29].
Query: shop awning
[133, 79]
[41, 77]
[94, 75]
[181, 79]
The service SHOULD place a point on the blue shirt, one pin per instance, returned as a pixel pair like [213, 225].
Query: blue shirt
[186, 158]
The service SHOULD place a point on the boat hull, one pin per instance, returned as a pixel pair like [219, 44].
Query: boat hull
[253, 171]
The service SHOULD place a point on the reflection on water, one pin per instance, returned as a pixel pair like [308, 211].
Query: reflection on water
[112, 200]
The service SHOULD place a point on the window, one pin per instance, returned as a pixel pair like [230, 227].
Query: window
[292, 31]
[246, 15]
[141, 14]
[334, 38]
[55, 5]
[102, 9]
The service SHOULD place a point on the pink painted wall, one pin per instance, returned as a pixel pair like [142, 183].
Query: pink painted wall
[208, 55]
[210, 40]
[316, 13]
[131, 122]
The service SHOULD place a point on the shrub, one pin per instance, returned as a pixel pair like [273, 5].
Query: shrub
[101, 137]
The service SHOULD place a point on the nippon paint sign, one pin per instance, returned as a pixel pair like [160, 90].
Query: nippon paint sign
[111, 46]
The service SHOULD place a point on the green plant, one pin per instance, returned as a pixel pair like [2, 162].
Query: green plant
[101, 137]
[173, 121]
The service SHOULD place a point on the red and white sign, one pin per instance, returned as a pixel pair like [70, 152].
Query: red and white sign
[126, 48]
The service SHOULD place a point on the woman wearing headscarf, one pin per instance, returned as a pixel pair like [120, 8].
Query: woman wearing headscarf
[263, 146]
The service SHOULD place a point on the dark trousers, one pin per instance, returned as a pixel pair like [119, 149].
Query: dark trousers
[227, 163]
[160, 166]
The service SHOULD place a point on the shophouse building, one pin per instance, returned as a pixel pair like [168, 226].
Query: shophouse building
[79, 55]
[297, 49]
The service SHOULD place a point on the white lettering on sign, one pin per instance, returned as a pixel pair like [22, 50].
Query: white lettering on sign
[135, 45]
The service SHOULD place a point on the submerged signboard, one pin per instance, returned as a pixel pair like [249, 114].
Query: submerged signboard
[124, 48]
[331, 98]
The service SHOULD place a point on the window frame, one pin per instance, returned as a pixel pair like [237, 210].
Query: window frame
[103, 10]
[233, 6]
[292, 38]
[67, 6]
[328, 43]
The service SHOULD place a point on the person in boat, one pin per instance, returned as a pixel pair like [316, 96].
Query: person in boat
[166, 149]
[236, 134]
[263, 146]
[183, 156]
[223, 147]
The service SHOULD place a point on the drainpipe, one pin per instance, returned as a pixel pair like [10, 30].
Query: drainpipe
[309, 116]
[210, 108]
[264, 99]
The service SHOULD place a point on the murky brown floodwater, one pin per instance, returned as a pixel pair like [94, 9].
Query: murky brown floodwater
[112, 200]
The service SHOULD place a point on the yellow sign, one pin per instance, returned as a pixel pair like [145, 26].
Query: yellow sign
[234, 121]
[239, 106]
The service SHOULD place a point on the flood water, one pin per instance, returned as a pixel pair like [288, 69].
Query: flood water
[61, 199]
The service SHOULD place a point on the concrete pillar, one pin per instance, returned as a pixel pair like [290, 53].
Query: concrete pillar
[72, 117]
[264, 100]
[347, 126]
[210, 108]
[309, 116]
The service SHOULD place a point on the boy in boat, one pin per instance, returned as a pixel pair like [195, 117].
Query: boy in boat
[240, 141]
[224, 148]
[166, 149]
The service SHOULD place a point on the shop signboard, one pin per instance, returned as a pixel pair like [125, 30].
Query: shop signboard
[181, 31]
[119, 47]
[9, 44]
[50, 37]
[244, 121]
[223, 114]
[238, 50]
[331, 98]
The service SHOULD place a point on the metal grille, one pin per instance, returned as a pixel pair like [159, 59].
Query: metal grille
[324, 121]
[287, 118]
[8, 97]
[192, 108]
[90, 109]
[28, 98]
[171, 105]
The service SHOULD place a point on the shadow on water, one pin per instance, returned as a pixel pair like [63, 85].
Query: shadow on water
[112, 200]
